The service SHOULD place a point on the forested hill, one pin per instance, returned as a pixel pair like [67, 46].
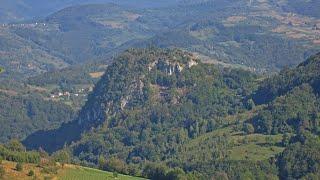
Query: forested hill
[292, 99]
[147, 97]
[157, 109]
[24, 109]
[307, 72]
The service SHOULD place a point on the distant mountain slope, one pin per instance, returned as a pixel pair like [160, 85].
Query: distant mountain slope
[288, 79]
[19, 10]
[292, 99]
[66, 38]
[304, 7]
[260, 35]
[84, 33]
[20, 56]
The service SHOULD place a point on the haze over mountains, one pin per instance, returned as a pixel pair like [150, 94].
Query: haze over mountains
[20, 10]
[232, 32]
[181, 89]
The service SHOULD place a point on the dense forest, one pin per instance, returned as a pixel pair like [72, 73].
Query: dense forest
[24, 110]
[162, 113]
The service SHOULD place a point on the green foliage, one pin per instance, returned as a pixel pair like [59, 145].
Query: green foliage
[152, 107]
[285, 139]
[301, 159]
[155, 110]
[19, 166]
[31, 173]
[159, 172]
[2, 171]
[1, 70]
[220, 176]
[15, 145]
[298, 109]
[62, 156]
[288, 79]
[51, 169]
[115, 174]
[114, 165]
[248, 128]
[16, 156]
[23, 115]
[68, 76]
[250, 104]
[154, 172]
[175, 174]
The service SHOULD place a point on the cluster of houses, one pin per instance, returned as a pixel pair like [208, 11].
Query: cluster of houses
[30, 25]
[62, 94]
[81, 92]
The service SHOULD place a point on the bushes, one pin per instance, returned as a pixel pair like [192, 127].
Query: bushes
[19, 167]
[31, 173]
[50, 170]
[113, 164]
[301, 159]
[16, 156]
[248, 128]
[162, 172]
[15, 145]
[2, 172]
[298, 109]
[155, 171]
[62, 156]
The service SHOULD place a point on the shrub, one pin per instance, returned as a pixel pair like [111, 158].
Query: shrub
[113, 164]
[2, 172]
[31, 173]
[50, 170]
[115, 174]
[248, 128]
[19, 166]
[174, 174]
[62, 156]
[155, 171]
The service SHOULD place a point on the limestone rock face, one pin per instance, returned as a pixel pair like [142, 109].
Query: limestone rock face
[126, 80]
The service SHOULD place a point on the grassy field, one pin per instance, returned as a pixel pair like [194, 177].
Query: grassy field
[82, 173]
[68, 172]
[255, 147]
[238, 145]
